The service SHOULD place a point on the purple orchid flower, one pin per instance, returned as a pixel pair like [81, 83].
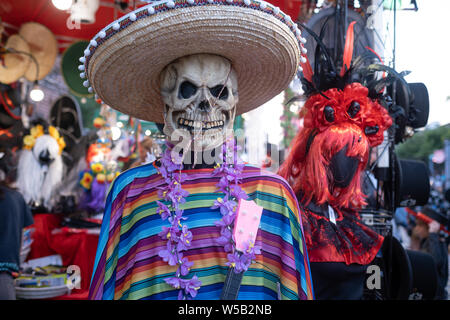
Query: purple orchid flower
[162, 170]
[192, 286]
[179, 177]
[175, 220]
[234, 260]
[225, 240]
[226, 206]
[177, 195]
[223, 184]
[226, 220]
[224, 237]
[165, 233]
[169, 255]
[174, 282]
[185, 239]
[171, 161]
[238, 193]
[184, 267]
[163, 210]
[245, 262]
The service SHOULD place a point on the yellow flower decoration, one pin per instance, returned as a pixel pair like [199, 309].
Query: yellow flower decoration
[101, 177]
[99, 122]
[86, 180]
[97, 167]
[28, 142]
[53, 132]
[37, 131]
[110, 177]
[61, 143]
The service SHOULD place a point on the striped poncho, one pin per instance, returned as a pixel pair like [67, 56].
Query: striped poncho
[127, 264]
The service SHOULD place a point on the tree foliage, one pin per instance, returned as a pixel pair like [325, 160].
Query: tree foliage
[288, 119]
[424, 143]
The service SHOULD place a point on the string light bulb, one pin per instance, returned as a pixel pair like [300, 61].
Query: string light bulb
[36, 94]
[62, 4]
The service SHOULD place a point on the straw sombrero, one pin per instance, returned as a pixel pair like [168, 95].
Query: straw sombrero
[15, 64]
[123, 61]
[43, 46]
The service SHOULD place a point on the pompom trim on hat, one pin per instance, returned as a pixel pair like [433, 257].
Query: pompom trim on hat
[163, 6]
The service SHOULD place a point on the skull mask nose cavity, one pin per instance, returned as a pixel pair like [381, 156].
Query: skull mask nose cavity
[204, 106]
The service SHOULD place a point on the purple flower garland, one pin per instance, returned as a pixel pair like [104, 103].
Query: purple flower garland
[231, 172]
[178, 235]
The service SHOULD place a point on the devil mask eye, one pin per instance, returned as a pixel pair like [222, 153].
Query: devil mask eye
[353, 109]
[371, 130]
[329, 113]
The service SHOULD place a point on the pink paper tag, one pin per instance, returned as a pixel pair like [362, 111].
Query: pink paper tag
[247, 223]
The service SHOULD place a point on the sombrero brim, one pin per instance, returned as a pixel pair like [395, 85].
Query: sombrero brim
[124, 61]
[43, 46]
[15, 65]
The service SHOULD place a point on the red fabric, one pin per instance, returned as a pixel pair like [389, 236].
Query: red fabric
[348, 241]
[80, 295]
[75, 246]
[43, 226]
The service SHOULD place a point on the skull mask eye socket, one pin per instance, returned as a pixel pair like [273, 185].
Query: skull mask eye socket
[353, 109]
[187, 90]
[219, 90]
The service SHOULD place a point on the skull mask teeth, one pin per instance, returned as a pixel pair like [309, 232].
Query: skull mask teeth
[200, 95]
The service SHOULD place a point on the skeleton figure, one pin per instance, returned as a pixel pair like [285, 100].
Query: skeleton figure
[200, 96]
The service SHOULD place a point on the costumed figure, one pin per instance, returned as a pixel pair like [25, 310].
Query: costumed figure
[170, 227]
[342, 119]
[40, 168]
[96, 178]
[65, 115]
[145, 150]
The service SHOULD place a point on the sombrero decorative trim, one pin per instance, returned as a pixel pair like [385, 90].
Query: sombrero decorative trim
[263, 44]
[68, 69]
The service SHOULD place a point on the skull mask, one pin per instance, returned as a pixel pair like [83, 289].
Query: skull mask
[200, 96]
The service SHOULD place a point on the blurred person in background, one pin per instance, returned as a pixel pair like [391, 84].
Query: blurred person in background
[14, 216]
[401, 227]
[427, 238]
[145, 153]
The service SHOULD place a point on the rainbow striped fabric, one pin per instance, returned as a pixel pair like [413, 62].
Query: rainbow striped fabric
[127, 265]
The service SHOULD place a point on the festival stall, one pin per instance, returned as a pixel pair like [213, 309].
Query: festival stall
[61, 146]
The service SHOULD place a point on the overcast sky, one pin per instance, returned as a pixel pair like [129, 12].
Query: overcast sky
[423, 47]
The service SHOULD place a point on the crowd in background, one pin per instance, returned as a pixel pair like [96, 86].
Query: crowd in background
[429, 237]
